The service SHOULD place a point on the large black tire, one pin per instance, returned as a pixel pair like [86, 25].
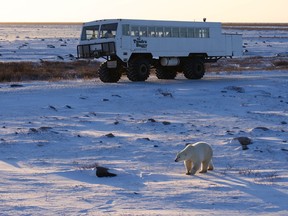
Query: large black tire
[194, 69]
[138, 70]
[166, 72]
[109, 75]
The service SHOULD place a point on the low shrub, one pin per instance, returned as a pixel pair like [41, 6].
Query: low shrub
[22, 71]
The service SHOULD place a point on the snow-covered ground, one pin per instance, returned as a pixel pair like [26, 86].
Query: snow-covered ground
[52, 134]
[32, 42]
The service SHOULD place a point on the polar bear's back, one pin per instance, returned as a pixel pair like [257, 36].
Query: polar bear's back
[203, 149]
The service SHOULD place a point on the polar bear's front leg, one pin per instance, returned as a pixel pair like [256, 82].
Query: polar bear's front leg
[195, 168]
[188, 166]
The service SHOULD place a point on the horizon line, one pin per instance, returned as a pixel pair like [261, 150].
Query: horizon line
[80, 23]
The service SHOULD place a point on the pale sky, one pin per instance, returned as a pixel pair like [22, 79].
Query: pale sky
[188, 10]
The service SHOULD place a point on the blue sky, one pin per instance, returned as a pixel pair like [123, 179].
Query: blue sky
[87, 10]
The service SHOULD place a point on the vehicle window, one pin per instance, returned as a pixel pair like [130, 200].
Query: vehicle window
[159, 32]
[126, 30]
[191, 33]
[175, 32]
[151, 32]
[205, 33]
[108, 30]
[143, 31]
[90, 32]
[134, 31]
[167, 32]
[183, 32]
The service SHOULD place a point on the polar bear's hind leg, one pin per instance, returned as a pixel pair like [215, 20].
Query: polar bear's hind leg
[210, 166]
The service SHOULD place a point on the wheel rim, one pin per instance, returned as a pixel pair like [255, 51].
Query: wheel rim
[143, 69]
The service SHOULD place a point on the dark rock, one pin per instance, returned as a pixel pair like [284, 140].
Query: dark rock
[16, 85]
[45, 128]
[166, 123]
[244, 147]
[60, 57]
[34, 130]
[151, 120]
[115, 95]
[261, 128]
[235, 88]
[110, 135]
[244, 140]
[52, 107]
[283, 122]
[50, 46]
[103, 172]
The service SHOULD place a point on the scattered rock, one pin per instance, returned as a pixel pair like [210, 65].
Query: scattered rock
[151, 120]
[41, 129]
[115, 95]
[235, 88]
[83, 97]
[45, 128]
[50, 46]
[103, 172]
[244, 141]
[116, 122]
[283, 122]
[69, 107]
[155, 146]
[166, 123]
[260, 128]
[105, 99]
[110, 135]
[16, 85]
[165, 93]
[60, 57]
[53, 108]
[283, 149]
[283, 54]
[93, 113]
[34, 130]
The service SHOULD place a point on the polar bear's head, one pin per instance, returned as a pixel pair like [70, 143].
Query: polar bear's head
[185, 154]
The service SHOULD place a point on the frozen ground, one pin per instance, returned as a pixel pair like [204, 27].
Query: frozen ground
[52, 133]
[32, 42]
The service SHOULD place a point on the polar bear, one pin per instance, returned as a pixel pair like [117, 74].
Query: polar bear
[196, 154]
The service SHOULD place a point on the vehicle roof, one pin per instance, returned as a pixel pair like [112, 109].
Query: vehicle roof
[154, 22]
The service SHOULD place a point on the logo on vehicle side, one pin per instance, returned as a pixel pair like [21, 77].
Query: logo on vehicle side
[140, 42]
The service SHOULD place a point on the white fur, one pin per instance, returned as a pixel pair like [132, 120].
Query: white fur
[195, 155]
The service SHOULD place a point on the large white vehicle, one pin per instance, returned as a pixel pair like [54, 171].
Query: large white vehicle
[135, 47]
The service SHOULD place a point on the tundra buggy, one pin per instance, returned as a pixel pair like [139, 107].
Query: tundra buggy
[135, 47]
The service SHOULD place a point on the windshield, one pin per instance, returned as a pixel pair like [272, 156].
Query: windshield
[90, 32]
[108, 30]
